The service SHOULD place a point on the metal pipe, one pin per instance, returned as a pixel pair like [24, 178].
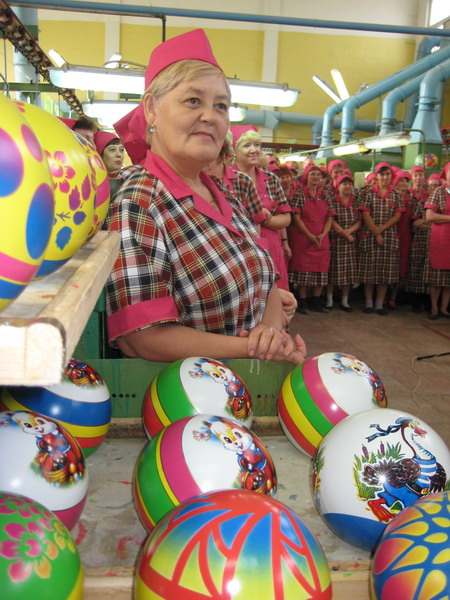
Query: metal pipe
[155, 11]
[385, 85]
[391, 101]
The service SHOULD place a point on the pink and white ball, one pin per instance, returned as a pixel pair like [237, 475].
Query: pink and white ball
[44, 462]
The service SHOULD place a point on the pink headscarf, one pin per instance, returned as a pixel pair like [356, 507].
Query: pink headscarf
[382, 165]
[193, 45]
[369, 177]
[69, 122]
[102, 139]
[417, 168]
[401, 175]
[306, 170]
[342, 178]
[434, 176]
[238, 131]
[333, 163]
[443, 173]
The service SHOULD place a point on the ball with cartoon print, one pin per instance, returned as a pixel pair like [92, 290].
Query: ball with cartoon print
[73, 189]
[412, 559]
[27, 201]
[81, 403]
[232, 544]
[195, 455]
[322, 391]
[38, 557]
[194, 386]
[373, 465]
[44, 462]
[100, 183]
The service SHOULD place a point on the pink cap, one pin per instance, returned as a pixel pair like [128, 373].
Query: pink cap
[443, 173]
[401, 175]
[342, 178]
[306, 170]
[369, 177]
[238, 131]
[334, 163]
[418, 168]
[434, 176]
[193, 45]
[102, 139]
[69, 122]
[383, 165]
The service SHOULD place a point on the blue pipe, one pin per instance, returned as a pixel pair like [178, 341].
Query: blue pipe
[360, 124]
[377, 89]
[391, 101]
[428, 102]
[155, 11]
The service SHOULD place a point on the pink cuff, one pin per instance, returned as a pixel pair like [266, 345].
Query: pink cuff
[258, 218]
[283, 208]
[141, 315]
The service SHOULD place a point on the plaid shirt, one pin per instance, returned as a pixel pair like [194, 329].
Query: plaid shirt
[242, 186]
[181, 260]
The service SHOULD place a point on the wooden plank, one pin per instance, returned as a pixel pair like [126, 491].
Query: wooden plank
[40, 329]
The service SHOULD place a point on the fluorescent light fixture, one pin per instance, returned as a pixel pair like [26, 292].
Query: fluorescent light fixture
[237, 113]
[326, 88]
[108, 112]
[350, 148]
[56, 58]
[97, 79]
[295, 157]
[339, 83]
[387, 141]
[262, 94]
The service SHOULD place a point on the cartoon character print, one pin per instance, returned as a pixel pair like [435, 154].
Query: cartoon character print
[346, 363]
[257, 471]
[238, 403]
[58, 460]
[81, 374]
[387, 479]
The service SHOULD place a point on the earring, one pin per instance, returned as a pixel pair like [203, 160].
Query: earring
[151, 129]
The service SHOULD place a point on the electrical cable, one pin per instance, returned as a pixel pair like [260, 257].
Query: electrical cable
[417, 358]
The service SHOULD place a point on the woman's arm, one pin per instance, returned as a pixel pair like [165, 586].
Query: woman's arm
[274, 222]
[390, 222]
[434, 217]
[298, 223]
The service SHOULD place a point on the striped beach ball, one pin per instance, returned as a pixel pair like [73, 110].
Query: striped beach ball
[38, 557]
[81, 403]
[232, 545]
[321, 392]
[72, 183]
[412, 559]
[44, 462]
[194, 386]
[27, 201]
[195, 455]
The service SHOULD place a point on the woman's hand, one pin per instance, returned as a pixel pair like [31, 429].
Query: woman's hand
[320, 238]
[289, 305]
[379, 239]
[264, 342]
[287, 250]
[267, 215]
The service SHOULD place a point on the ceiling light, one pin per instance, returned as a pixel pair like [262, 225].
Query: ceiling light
[262, 94]
[387, 141]
[108, 112]
[237, 113]
[114, 61]
[295, 157]
[56, 58]
[326, 88]
[351, 148]
[97, 79]
[339, 83]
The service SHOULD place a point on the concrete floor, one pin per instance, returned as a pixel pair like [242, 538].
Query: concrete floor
[391, 345]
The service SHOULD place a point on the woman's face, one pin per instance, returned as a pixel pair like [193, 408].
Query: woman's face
[384, 177]
[402, 185]
[191, 122]
[248, 153]
[433, 185]
[418, 178]
[314, 177]
[346, 188]
[337, 171]
[113, 156]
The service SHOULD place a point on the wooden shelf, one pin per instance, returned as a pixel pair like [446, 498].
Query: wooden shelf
[40, 329]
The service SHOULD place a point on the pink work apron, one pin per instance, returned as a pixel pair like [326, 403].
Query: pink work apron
[440, 241]
[404, 232]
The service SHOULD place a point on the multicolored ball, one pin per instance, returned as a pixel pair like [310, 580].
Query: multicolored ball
[100, 183]
[373, 465]
[74, 193]
[195, 386]
[322, 391]
[412, 559]
[44, 462]
[81, 403]
[196, 455]
[38, 557]
[28, 205]
[232, 545]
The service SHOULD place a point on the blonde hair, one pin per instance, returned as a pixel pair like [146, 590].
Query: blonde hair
[248, 136]
[183, 70]
[227, 153]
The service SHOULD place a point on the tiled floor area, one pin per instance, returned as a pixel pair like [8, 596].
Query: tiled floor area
[390, 345]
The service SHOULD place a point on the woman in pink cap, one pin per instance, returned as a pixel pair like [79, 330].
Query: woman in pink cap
[433, 182]
[335, 169]
[343, 260]
[248, 152]
[111, 150]
[379, 248]
[438, 267]
[311, 221]
[191, 278]
[401, 183]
